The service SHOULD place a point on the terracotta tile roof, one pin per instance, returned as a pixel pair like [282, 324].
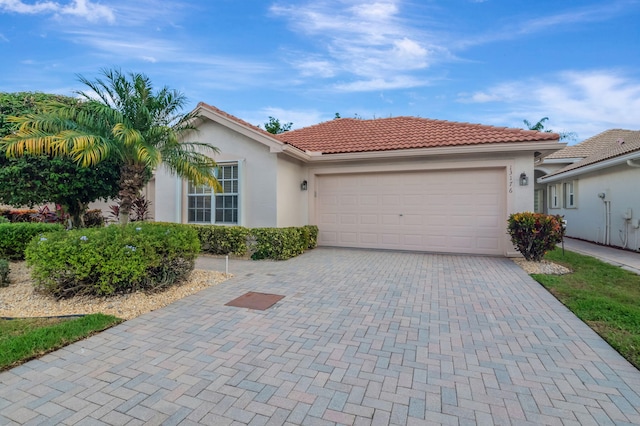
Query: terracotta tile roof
[345, 135]
[590, 146]
[611, 143]
[233, 118]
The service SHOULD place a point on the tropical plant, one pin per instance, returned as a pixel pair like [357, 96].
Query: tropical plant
[534, 234]
[121, 117]
[40, 179]
[540, 127]
[274, 126]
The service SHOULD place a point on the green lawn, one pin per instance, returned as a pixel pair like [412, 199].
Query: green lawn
[27, 338]
[604, 296]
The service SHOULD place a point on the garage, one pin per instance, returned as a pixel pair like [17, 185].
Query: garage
[447, 211]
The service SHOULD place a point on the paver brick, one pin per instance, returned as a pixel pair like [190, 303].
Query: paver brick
[361, 337]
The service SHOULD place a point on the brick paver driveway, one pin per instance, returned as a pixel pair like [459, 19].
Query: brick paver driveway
[362, 337]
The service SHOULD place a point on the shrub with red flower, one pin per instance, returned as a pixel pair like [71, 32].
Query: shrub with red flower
[534, 234]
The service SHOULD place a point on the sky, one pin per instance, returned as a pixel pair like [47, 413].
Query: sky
[495, 62]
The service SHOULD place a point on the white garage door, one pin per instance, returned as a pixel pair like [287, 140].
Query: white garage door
[453, 211]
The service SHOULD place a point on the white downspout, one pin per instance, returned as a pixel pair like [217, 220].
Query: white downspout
[608, 203]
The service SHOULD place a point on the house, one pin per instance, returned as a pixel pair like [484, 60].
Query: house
[595, 186]
[402, 183]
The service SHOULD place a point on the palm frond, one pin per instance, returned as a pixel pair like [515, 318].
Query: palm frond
[194, 166]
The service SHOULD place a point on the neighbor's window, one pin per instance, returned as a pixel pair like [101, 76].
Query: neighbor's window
[202, 201]
[554, 196]
[569, 195]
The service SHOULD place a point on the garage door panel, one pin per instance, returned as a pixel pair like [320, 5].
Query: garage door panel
[347, 237]
[368, 219]
[328, 218]
[390, 219]
[348, 219]
[368, 238]
[412, 219]
[460, 211]
[391, 239]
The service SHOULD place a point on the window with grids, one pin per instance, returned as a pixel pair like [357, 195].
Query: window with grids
[554, 196]
[202, 201]
[227, 201]
[569, 195]
[199, 207]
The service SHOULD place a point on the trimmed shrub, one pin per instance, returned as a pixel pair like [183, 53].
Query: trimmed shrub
[534, 234]
[222, 239]
[311, 235]
[14, 237]
[4, 272]
[114, 259]
[278, 243]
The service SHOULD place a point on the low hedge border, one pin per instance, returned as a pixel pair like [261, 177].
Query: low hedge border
[258, 243]
[14, 237]
[116, 259]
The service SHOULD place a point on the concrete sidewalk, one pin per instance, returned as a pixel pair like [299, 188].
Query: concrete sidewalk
[623, 258]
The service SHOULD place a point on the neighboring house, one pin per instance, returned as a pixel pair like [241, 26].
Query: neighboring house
[401, 183]
[595, 185]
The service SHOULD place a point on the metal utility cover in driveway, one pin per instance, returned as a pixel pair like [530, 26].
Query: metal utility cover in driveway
[253, 300]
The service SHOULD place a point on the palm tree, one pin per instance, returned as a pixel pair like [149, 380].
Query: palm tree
[539, 127]
[121, 118]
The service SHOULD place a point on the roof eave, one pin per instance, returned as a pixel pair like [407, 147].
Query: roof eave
[273, 144]
[544, 146]
[622, 159]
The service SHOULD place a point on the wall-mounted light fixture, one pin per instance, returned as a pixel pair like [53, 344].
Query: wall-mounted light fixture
[303, 185]
[524, 180]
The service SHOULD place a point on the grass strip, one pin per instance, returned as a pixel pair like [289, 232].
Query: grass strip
[604, 296]
[27, 338]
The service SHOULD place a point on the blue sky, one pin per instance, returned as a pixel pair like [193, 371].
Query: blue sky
[482, 61]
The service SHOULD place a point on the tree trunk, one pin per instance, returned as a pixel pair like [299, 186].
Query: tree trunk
[132, 180]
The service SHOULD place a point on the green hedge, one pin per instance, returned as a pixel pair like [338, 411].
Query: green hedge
[14, 237]
[222, 239]
[115, 259]
[4, 273]
[282, 243]
[263, 243]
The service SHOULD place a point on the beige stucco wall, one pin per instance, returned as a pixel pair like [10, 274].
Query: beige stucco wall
[257, 179]
[587, 220]
[292, 203]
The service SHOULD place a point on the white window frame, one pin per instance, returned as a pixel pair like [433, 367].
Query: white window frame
[228, 183]
[570, 194]
[554, 196]
[538, 201]
[201, 198]
[209, 205]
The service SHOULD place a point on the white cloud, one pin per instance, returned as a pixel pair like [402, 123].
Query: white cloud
[92, 12]
[316, 68]
[369, 41]
[299, 118]
[398, 82]
[585, 102]
[562, 20]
